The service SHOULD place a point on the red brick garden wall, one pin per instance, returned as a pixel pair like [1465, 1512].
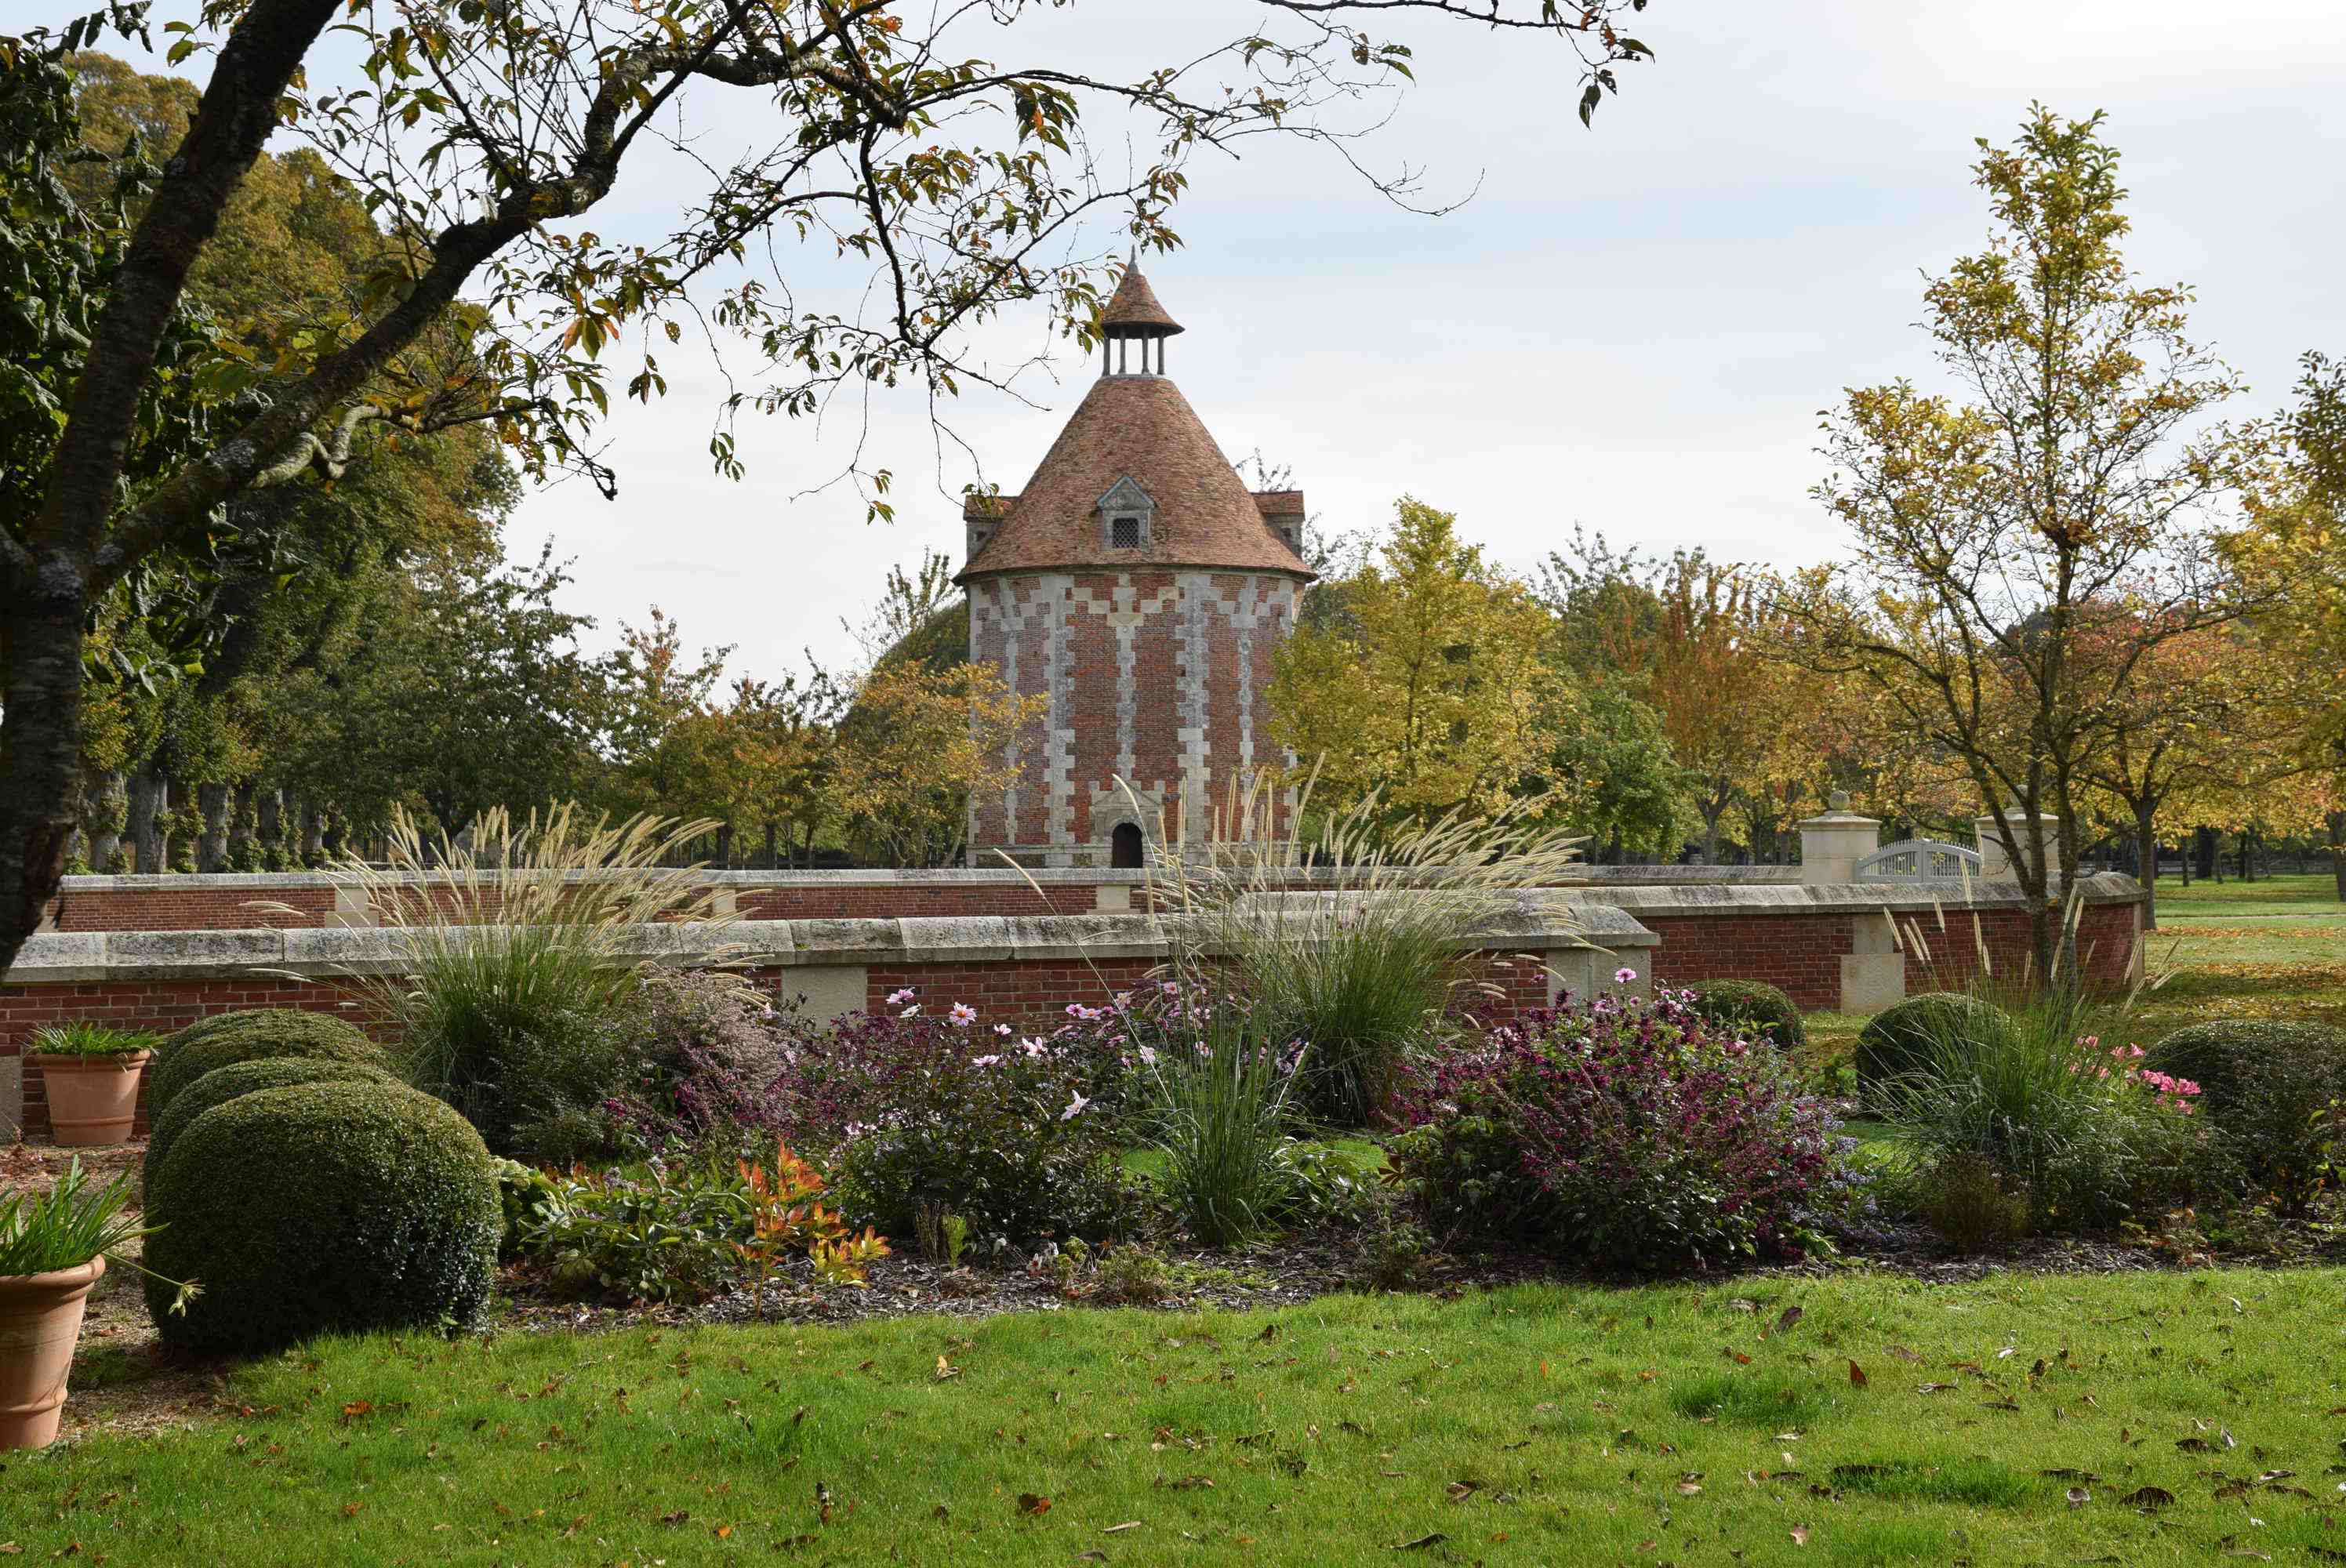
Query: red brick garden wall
[1029, 995]
[1803, 953]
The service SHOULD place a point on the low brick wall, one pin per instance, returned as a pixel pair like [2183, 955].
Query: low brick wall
[1021, 971]
[1857, 946]
[1851, 947]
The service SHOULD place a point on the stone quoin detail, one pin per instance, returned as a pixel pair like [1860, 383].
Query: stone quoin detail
[1138, 585]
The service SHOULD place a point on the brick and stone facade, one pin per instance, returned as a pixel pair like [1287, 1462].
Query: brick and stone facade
[1139, 588]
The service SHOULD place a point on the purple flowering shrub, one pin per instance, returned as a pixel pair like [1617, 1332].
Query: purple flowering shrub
[930, 1113]
[703, 1061]
[1627, 1135]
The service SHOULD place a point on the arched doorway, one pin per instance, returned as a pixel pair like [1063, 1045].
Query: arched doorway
[1124, 847]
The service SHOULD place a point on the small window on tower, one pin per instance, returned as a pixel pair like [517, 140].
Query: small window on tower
[1124, 534]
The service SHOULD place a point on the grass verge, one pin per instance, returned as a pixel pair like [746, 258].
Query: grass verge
[2003, 1422]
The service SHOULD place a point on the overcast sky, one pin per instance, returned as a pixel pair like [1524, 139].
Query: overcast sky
[1632, 328]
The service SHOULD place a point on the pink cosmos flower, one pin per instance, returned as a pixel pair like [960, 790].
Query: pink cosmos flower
[1624, 976]
[1033, 1047]
[1075, 1107]
[962, 1014]
[1147, 1056]
[2134, 1051]
[1002, 1029]
[912, 1011]
[983, 1061]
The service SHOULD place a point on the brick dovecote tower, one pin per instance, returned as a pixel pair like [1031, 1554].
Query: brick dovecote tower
[1139, 585]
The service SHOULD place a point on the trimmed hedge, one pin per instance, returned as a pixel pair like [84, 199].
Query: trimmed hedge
[221, 1084]
[1755, 1004]
[2219, 1055]
[214, 1042]
[2269, 1089]
[323, 1209]
[1902, 1039]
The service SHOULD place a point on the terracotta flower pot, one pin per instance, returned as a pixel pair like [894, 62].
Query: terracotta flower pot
[93, 1099]
[40, 1323]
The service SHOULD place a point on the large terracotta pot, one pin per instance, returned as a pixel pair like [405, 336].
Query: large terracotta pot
[93, 1099]
[40, 1323]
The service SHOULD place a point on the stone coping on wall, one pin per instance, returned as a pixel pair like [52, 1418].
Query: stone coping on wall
[1680, 900]
[258, 883]
[57, 958]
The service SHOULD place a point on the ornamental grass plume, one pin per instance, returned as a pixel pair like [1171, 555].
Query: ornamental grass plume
[1369, 964]
[513, 954]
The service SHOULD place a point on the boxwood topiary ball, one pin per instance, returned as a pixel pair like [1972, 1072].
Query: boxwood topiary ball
[214, 1043]
[1754, 1004]
[2217, 1056]
[1902, 1039]
[222, 1084]
[323, 1209]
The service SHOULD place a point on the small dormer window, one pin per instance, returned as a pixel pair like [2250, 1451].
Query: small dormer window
[1125, 514]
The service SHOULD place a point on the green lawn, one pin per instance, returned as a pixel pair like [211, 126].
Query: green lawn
[1674, 1424]
[2305, 895]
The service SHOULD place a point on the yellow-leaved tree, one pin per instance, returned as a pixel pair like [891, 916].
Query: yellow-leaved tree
[1421, 676]
[914, 746]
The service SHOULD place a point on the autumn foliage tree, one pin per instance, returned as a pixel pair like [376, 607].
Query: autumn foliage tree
[2024, 543]
[1688, 635]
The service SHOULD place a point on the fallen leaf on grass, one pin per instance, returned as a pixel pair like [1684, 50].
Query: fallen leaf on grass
[1800, 1535]
[1856, 1376]
[2148, 1497]
[1421, 1542]
[1791, 1316]
[1120, 1529]
[1030, 1505]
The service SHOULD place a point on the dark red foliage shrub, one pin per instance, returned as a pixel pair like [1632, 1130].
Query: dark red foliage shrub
[1624, 1134]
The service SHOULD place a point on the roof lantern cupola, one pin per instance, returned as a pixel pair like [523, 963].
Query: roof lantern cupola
[1132, 315]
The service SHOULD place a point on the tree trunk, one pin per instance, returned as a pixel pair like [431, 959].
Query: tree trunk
[108, 802]
[243, 843]
[2203, 847]
[212, 839]
[150, 796]
[2147, 864]
[313, 836]
[2337, 820]
[268, 825]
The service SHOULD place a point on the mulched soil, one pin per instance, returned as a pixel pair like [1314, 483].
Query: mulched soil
[123, 1381]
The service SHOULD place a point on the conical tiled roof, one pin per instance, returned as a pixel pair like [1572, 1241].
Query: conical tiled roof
[1133, 309]
[1142, 429]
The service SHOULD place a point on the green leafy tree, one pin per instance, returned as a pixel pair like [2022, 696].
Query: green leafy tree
[471, 694]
